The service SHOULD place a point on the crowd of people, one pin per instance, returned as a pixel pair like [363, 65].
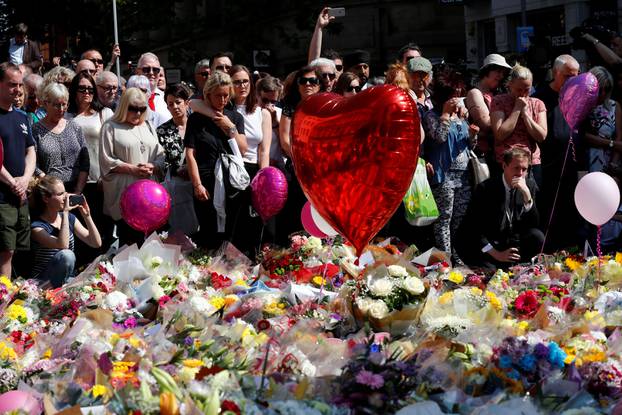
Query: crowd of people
[75, 138]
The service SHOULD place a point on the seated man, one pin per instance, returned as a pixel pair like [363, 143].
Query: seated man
[500, 226]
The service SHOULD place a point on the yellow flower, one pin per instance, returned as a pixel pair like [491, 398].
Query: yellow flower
[456, 277]
[197, 343]
[572, 264]
[135, 342]
[476, 291]
[319, 281]
[594, 317]
[7, 352]
[494, 300]
[446, 298]
[217, 302]
[281, 306]
[114, 339]
[241, 283]
[192, 363]
[619, 257]
[17, 312]
[47, 354]
[6, 282]
[99, 390]
[522, 327]
[274, 308]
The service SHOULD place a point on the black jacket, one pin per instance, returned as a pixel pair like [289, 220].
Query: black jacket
[484, 220]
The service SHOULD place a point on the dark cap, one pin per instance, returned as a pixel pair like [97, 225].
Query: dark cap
[356, 57]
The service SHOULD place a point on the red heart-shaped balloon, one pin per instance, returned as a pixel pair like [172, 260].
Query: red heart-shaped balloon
[355, 157]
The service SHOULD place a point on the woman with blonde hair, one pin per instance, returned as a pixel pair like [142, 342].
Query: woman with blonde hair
[207, 137]
[129, 151]
[519, 120]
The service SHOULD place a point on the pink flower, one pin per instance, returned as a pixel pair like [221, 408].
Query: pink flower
[130, 323]
[163, 300]
[370, 379]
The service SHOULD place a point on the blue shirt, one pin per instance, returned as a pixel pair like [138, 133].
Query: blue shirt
[43, 255]
[16, 138]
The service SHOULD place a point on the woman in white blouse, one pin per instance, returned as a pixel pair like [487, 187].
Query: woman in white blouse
[129, 151]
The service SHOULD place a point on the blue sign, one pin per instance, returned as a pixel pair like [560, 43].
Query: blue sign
[522, 38]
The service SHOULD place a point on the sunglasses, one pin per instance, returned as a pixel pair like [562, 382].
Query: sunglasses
[150, 69]
[354, 88]
[109, 88]
[85, 90]
[328, 75]
[89, 71]
[224, 68]
[339, 68]
[310, 81]
[269, 101]
[204, 74]
[133, 108]
[97, 61]
[240, 82]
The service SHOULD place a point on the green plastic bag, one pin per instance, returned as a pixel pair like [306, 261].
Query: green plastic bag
[419, 203]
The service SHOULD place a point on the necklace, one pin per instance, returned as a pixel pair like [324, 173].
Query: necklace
[139, 135]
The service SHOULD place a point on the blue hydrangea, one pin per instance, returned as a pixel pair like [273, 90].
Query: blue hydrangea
[556, 355]
[374, 348]
[513, 374]
[505, 361]
[528, 363]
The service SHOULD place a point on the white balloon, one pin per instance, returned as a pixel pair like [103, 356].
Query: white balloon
[597, 198]
[321, 223]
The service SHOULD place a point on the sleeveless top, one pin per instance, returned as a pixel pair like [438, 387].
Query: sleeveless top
[252, 129]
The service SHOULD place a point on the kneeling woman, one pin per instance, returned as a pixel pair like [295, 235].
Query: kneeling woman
[53, 230]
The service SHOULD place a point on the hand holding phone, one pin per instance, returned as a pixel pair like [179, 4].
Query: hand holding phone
[337, 11]
[75, 200]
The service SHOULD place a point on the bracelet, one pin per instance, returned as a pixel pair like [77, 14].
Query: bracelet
[595, 42]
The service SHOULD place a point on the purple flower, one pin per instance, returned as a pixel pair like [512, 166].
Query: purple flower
[130, 323]
[541, 351]
[188, 341]
[370, 379]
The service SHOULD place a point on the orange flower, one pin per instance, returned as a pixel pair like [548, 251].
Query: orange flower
[168, 404]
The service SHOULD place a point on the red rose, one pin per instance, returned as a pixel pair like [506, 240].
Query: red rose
[230, 406]
[220, 281]
[527, 304]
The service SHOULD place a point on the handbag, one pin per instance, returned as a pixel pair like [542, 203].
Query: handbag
[419, 204]
[183, 216]
[479, 168]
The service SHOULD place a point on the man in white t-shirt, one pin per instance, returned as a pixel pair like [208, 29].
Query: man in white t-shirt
[149, 66]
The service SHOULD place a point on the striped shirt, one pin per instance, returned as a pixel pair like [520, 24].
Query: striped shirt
[44, 255]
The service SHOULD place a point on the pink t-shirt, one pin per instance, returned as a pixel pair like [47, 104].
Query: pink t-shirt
[520, 137]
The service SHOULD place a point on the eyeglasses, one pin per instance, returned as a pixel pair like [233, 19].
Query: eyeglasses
[133, 108]
[351, 88]
[89, 71]
[150, 69]
[224, 68]
[109, 88]
[269, 101]
[86, 90]
[203, 74]
[362, 66]
[240, 82]
[97, 61]
[305, 81]
[339, 68]
[58, 105]
[329, 75]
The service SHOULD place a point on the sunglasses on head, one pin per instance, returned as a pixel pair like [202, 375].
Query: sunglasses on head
[134, 108]
[150, 69]
[329, 75]
[204, 74]
[223, 67]
[310, 81]
[85, 90]
[339, 68]
[97, 61]
[240, 82]
[354, 88]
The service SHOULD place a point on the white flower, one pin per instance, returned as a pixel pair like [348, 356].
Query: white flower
[413, 285]
[381, 287]
[378, 309]
[397, 271]
[155, 262]
[115, 300]
[201, 305]
[363, 304]
[313, 243]
[194, 275]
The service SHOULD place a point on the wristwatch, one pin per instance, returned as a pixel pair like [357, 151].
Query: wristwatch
[611, 143]
[232, 132]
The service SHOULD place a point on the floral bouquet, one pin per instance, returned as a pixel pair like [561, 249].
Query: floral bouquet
[390, 298]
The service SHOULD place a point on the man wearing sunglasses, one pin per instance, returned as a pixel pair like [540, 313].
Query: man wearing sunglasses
[358, 62]
[201, 73]
[86, 66]
[327, 71]
[149, 66]
[221, 61]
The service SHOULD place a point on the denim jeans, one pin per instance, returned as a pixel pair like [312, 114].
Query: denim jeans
[59, 268]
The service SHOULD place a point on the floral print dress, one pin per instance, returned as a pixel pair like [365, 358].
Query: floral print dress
[173, 144]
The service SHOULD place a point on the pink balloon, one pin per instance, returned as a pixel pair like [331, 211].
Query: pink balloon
[14, 400]
[308, 223]
[145, 205]
[578, 97]
[597, 198]
[269, 192]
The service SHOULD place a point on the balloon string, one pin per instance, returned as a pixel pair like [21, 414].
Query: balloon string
[571, 143]
[559, 184]
[598, 246]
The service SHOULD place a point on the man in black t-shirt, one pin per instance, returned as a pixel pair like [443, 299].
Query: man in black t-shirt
[564, 225]
[18, 167]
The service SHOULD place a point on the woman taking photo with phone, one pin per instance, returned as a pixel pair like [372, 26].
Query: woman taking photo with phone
[54, 228]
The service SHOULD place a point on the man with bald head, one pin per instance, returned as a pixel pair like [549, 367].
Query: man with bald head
[86, 66]
[565, 222]
[149, 66]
